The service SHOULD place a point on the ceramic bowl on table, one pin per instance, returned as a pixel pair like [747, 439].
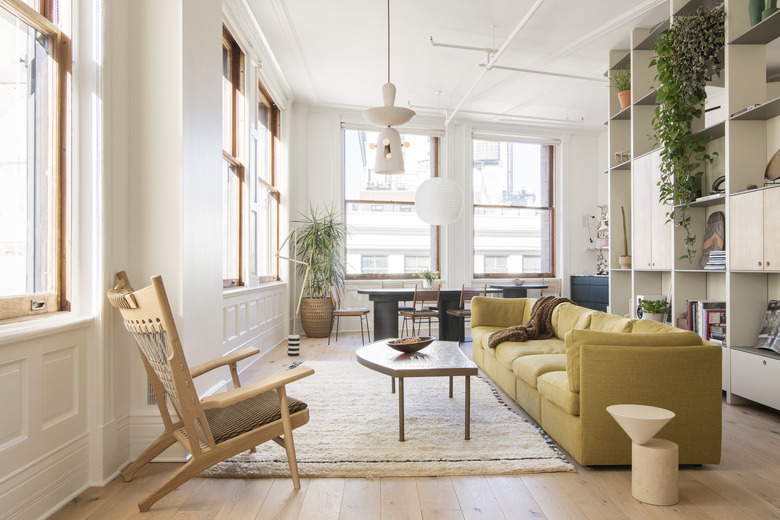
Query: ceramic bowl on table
[409, 345]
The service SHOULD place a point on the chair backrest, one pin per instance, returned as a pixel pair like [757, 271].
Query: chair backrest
[467, 293]
[553, 287]
[423, 296]
[147, 314]
[335, 298]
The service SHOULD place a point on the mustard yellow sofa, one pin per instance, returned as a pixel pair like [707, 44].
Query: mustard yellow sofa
[595, 360]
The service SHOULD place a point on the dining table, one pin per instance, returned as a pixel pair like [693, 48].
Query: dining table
[517, 291]
[451, 328]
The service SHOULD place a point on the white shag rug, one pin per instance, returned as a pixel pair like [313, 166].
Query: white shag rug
[353, 431]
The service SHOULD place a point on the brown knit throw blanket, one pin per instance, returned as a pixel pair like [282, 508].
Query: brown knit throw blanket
[539, 326]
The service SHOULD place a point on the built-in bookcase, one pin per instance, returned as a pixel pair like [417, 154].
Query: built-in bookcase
[743, 141]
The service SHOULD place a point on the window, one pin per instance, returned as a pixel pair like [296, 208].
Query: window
[380, 215]
[264, 197]
[514, 213]
[34, 184]
[415, 264]
[232, 168]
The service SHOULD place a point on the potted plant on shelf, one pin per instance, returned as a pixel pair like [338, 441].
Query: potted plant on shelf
[625, 260]
[687, 59]
[621, 80]
[428, 277]
[655, 310]
[320, 240]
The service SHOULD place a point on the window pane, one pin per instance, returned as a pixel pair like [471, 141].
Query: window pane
[378, 225]
[387, 232]
[227, 100]
[512, 240]
[511, 174]
[230, 221]
[27, 203]
[264, 142]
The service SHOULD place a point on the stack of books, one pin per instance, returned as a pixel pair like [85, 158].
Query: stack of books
[706, 317]
[717, 260]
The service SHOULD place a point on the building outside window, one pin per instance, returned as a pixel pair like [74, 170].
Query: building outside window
[34, 165]
[415, 264]
[380, 214]
[373, 264]
[514, 210]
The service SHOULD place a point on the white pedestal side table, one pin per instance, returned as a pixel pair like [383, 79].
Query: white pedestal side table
[654, 462]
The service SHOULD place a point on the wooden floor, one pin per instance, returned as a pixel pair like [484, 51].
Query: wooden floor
[746, 485]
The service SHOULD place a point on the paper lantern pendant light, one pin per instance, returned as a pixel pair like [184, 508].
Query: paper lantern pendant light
[438, 201]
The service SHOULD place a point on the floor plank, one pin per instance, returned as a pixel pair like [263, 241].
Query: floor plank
[476, 499]
[400, 500]
[323, 499]
[362, 499]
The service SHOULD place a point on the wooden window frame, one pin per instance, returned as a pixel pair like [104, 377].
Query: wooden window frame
[232, 156]
[44, 19]
[436, 244]
[274, 133]
[549, 209]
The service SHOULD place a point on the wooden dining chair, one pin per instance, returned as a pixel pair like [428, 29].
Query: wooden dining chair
[215, 427]
[553, 287]
[402, 305]
[338, 313]
[463, 312]
[421, 311]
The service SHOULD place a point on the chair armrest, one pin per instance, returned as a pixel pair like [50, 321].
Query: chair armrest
[232, 358]
[232, 397]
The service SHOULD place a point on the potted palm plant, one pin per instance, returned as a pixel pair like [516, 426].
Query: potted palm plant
[320, 240]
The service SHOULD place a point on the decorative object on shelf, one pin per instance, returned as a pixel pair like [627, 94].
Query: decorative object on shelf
[621, 157]
[771, 8]
[621, 80]
[438, 201]
[717, 185]
[625, 260]
[389, 156]
[751, 186]
[772, 172]
[769, 337]
[686, 60]
[714, 238]
[655, 310]
[428, 277]
[602, 233]
[755, 8]
[319, 242]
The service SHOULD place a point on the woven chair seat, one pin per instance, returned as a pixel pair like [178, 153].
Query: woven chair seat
[461, 313]
[421, 313]
[350, 312]
[232, 421]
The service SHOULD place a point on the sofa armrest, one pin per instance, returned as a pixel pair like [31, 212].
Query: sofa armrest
[684, 379]
[497, 312]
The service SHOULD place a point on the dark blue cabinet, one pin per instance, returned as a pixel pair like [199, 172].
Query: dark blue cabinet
[591, 291]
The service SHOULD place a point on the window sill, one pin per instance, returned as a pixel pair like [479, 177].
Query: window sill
[238, 291]
[29, 328]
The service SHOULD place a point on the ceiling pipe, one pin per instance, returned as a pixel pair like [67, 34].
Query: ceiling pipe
[466, 47]
[546, 73]
[497, 55]
[498, 114]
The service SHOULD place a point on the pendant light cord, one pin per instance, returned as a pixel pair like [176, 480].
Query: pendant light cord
[388, 41]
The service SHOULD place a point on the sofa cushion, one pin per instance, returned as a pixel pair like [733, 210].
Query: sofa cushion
[652, 326]
[480, 335]
[566, 317]
[610, 322]
[554, 386]
[529, 368]
[529, 305]
[508, 351]
[576, 338]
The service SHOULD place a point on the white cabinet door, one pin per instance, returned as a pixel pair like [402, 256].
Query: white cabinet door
[642, 214]
[661, 229]
[755, 377]
[745, 239]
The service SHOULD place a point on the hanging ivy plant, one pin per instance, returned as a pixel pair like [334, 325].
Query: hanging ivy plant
[686, 60]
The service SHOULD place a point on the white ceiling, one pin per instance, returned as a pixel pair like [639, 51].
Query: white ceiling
[334, 53]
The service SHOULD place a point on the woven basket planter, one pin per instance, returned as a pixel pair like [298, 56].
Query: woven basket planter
[315, 316]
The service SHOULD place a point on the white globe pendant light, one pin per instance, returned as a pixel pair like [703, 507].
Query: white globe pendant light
[438, 201]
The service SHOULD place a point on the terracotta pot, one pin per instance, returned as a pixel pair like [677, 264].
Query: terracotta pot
[315, 316]
[624, 96]
[625, 262]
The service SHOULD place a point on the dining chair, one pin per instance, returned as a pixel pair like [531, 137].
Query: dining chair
[402, 305]
[338, 313]
[218, 426]
[553, 287]
[463, 312]
[421, 310]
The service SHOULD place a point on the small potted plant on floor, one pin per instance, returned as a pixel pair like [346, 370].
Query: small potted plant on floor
[655, 310]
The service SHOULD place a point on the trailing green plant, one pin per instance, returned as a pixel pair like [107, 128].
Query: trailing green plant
[655, 306]
[428, 275]
[320, 240]
[621, 79]
[686, 59]
[625, 235]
